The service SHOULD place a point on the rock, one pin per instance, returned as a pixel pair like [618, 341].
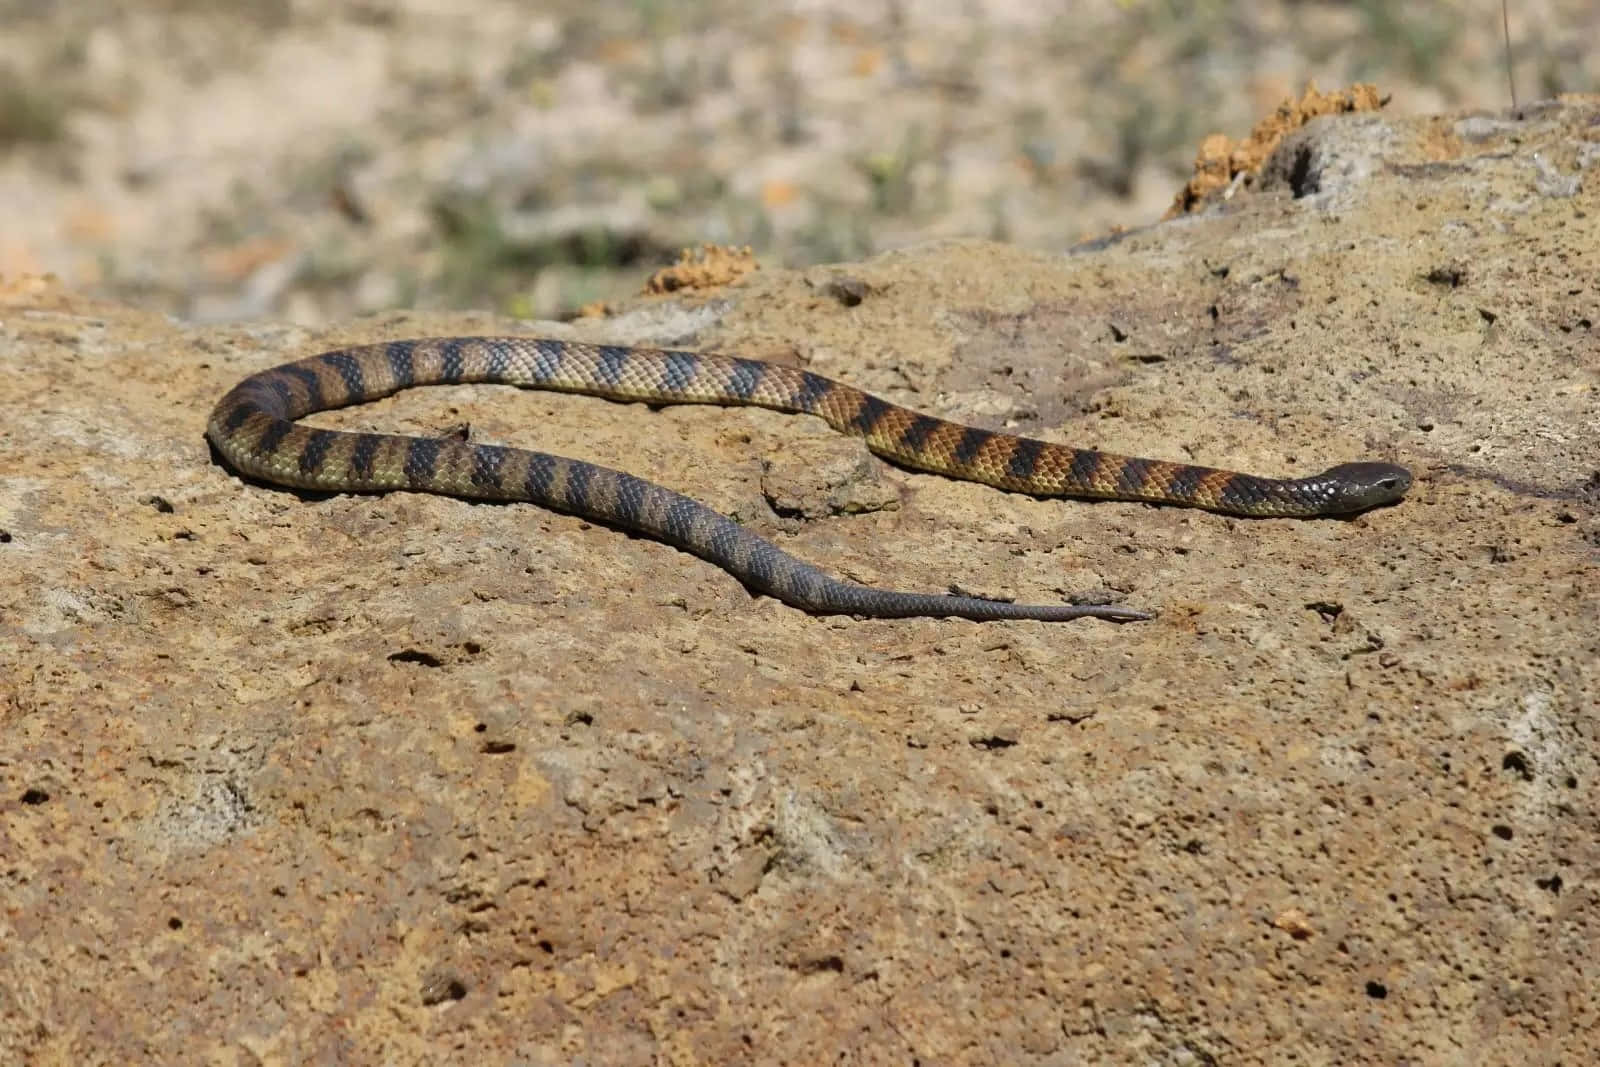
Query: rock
[382, 777]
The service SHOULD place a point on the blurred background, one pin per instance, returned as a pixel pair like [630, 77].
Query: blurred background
[313, 159]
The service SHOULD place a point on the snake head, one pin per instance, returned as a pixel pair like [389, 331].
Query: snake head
[1358, 486]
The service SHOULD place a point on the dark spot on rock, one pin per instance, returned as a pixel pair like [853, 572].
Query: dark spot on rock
[440, 987]
[1329, 611]
[1449, 274]
[847, 290]
[821, 964]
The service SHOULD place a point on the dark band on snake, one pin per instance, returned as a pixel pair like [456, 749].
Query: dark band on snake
[253, 427]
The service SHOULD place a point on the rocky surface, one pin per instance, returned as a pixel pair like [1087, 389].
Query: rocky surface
[406, 778]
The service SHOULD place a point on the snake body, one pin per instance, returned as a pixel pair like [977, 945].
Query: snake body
[253, 427]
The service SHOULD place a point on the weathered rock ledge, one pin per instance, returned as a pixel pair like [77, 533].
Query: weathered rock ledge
[398, 778]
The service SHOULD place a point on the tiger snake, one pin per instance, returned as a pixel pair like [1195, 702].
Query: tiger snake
[253, 428]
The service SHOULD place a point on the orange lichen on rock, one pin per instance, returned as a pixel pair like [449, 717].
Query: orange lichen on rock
[28, 289]
[707, 267]
[1220, 160]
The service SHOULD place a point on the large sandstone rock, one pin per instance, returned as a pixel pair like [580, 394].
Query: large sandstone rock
[411, 779]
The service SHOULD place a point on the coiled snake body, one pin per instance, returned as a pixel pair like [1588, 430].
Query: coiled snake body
[253, 428]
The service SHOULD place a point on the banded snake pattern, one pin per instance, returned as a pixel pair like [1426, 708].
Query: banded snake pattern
[253, 428]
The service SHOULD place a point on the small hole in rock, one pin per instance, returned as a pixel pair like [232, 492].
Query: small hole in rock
[1516, 761]
[412, 655]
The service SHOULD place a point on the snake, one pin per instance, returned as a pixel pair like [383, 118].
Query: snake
[255, 430]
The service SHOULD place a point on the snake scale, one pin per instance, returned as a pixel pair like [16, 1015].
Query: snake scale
[253, 427]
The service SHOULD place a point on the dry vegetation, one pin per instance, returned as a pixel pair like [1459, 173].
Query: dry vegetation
[262, 158]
